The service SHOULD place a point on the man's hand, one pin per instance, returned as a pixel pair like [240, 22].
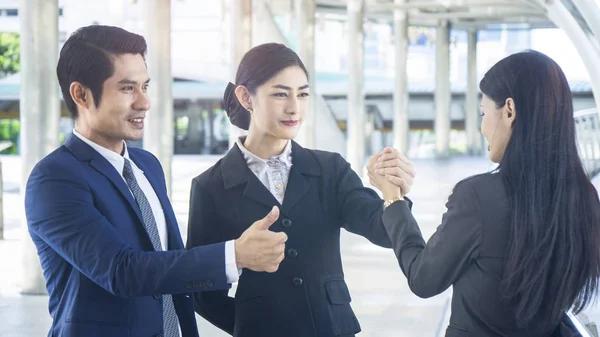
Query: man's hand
[391, 167]
[258, 248]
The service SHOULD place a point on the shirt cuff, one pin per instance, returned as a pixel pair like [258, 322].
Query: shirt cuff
[231, 270]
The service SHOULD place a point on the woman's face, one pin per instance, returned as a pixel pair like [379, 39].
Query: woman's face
[496, 125]
[279, 105]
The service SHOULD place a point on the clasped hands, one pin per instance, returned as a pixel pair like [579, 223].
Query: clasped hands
[391, 173]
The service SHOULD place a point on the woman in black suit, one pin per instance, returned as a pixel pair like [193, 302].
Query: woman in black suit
[317, 193]
[520, 245]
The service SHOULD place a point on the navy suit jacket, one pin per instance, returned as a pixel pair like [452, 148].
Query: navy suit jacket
[102, 274]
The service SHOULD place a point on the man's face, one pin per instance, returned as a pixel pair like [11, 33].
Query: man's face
[121, 111]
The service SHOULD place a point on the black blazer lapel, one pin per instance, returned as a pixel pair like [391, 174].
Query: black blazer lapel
[303, 164]
[236, 172]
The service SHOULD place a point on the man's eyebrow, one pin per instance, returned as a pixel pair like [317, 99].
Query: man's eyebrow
[126, 81]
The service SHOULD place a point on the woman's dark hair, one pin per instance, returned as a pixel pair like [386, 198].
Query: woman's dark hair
[258, 66]
[87, 57]
[553, 260]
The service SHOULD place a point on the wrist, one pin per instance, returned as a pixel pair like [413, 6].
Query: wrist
[388, 201]
[238, 258]
[387, 195]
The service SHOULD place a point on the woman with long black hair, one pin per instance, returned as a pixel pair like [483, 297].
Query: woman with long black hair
[520, 245]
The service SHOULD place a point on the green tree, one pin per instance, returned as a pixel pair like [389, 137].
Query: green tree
[9, 53]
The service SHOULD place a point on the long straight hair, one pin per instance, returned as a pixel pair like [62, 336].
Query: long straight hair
[554, 249]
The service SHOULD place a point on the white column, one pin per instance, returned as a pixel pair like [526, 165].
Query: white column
[356, 101]
[240, 37]
[472, 104]
[40, 110]
[442, 90]
[305, 25]
[401, 120]
[159, 132]
[563, 19]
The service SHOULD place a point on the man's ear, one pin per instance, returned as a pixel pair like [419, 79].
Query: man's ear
[81, 95]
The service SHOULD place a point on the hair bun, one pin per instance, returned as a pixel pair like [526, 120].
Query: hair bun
[237, 114]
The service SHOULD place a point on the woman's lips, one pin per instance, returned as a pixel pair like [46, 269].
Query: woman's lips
[289, 123]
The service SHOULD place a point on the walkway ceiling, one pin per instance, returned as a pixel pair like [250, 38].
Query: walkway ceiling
[462, 14]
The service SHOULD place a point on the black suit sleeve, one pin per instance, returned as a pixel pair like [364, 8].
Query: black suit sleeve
[431, 268]
[359, 208]
[214, 306]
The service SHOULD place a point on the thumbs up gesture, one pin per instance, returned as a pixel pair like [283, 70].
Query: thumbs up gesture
[260, 249]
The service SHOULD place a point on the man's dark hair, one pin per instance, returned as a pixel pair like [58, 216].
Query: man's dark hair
[87, 57]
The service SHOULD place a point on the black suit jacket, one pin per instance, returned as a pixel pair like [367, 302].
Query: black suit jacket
[307, 296]
[468, 251]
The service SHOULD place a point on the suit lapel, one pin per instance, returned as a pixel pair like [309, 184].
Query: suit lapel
[86, 153]
[296, 188]
[304, 165]
[236, 172]
[256, 191]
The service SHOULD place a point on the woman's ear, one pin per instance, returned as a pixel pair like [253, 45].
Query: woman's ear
[509, 112]
[244, 97]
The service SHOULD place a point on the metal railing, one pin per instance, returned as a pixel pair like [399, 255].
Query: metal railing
[587, 131]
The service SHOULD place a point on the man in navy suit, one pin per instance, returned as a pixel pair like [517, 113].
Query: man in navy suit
[99, 215]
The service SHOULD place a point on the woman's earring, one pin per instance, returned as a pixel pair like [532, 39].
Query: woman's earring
[250, 110]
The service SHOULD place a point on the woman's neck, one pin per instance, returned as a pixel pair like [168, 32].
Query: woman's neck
[265, 146]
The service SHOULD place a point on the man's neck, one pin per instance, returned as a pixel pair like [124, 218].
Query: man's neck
[116, 146]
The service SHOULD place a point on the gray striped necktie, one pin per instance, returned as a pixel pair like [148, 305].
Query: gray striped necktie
[170, 322]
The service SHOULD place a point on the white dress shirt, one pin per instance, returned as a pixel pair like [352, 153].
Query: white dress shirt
[118, 162]
[273, 172]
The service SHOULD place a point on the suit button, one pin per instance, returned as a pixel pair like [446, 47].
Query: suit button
[210, 283]
[156, 297]
[292, 253]
[287, 223]
[297, 281]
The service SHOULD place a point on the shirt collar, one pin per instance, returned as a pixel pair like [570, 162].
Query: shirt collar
[285, 156]
[115, 159]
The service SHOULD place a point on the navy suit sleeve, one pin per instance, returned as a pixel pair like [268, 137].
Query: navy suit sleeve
[359, 207]
[60, 210]
[431, 268]
[214, 306]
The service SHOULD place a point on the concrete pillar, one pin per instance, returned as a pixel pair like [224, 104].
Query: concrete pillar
[442, 90]
[40, 110]
[356, 102]
[159, 132]
[240, 29]
[305, 38]
[472, 99]
[401, 121]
